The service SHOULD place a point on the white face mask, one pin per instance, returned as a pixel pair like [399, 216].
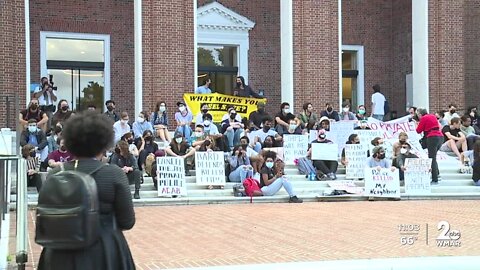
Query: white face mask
[32, 129]
[140, 119]
[181, 108]
[198, 134]
[124, 121]
[293, 126]
[207, 123]
[162, 108]
[286, 110]
[269, 164]
[403, 151]
[345, 109]
[178, 140]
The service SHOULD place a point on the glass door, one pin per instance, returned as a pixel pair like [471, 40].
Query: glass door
[349, 79]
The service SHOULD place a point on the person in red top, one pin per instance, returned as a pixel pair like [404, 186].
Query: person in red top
[430, 126]
[59, 156]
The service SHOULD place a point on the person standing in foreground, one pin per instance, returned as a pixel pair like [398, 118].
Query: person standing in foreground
[378, 103]
[433, 136]
[87, 135]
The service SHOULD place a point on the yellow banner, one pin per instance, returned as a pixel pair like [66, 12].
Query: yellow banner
[219, 103]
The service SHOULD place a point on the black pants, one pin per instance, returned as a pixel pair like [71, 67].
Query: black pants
[433, 145]
[135, 176]
[34, 180]
[471, 141]
[326, 166]
[142, 157]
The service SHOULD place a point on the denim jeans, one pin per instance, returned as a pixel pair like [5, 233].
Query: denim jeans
[276, 185]
[378, 116]
[186, 131]
[233, 137]
[433, 145]
[240, 174]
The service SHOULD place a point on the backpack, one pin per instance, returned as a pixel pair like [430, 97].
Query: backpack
[386, 107]
[305, 166]
[68, 215]
[252, 188]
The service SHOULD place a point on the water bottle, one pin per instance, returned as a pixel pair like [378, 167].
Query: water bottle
[312, 176]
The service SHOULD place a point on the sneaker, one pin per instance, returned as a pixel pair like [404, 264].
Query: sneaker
[295, 199]
[332, 176]
[323, 178]
[136, 195]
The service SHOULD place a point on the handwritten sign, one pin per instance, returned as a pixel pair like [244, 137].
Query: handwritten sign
[294, 146]
[324, 151]
[210, 168]
[382, 183]
[171, 176]
[366, 136]
[417, 175]
[339, 133]
[392, 129]
[278, 150]
[356, 156]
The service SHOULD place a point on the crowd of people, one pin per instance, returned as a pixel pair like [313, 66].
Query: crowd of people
[246, 141]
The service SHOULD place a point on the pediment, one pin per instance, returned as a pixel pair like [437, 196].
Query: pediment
[216, 16]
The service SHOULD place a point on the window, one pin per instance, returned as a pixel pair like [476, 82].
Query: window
[219, 63]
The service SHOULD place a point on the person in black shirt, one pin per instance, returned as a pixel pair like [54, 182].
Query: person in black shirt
[243, 90]
[454, 138]
[326, 168]
[399, 161]
[330, 113]
[110, 113]
[257, 116]
[179, 148]
[127, 162]
[283, 117]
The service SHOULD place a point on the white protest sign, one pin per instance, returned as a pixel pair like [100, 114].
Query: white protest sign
[417, 175]
[340, 131]
[366, 136]
[382, 183]
[278, 150]
[171, 176]
[356, 155]
[294, 147]
[392, 128]
[210, 168]
[312, 136]
[324, 151]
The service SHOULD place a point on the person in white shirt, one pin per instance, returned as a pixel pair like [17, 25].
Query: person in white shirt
[199, 116]
[46, 96]
[121, 127]
[258, 137]
[378, 103]
[452, 112]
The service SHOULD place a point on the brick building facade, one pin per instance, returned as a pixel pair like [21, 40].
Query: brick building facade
[382, 27]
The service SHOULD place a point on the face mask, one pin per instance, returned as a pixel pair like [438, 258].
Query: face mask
[286, 110]
[452, 111]
[124, 122]
[130, 141]
[204, 111]
[33, 154]
[239, 84]
[198, 134]
[233, 115]
[403, 151]
[178, 140]
[148, 138]
[162, 108]
[206, 123]
[64, 108]
[266, 128]
[293, 126]
[110, 108]
[381, 156]
[322, 136]
[32, 129]
[140, 119]
[345, 109]
[269, 164]
[33, 106]
[181, 108]
[361, 112]
[329, 109]
[63, 148]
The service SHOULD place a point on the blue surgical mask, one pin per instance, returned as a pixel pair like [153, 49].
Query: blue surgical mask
[269, 164]
[32, 129]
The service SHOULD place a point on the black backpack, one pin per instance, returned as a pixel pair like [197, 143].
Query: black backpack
[68, 214]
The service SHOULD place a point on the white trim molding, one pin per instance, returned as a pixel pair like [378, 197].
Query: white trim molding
[138, 57]
[286, 43]
[420, 54]
[360, 63]
[67, 35]
[27, 52]
[218, 25]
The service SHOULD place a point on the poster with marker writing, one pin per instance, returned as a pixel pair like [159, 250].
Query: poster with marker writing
[417, 176]
[382, 183]
[171, 176]
[356, 155]
[294, 147]
[210, 168]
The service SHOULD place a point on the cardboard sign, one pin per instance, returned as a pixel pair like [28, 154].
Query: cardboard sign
[339, 132]
[171, 176]
[294, 147]
[417, 176]
[210, 168]
[382, 183]
[324, 151]
[278, 150]
[356, 156]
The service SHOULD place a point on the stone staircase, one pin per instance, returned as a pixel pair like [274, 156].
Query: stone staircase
[453, 186]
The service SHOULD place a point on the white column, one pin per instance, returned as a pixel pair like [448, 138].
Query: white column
[340, 67]
[195, 40]
[138, 58]
[420, 53]
[27, 50]
[286, 34]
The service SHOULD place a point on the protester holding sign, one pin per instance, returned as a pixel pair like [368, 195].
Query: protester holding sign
[272, 179]
[293, 128]
[400, 159]
[199, 116]
[352, 139]
[243, 90]
[363, 125]
[328, 168]
[240, 166]
[378, 160]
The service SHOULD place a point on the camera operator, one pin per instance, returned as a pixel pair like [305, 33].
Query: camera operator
[47, 95]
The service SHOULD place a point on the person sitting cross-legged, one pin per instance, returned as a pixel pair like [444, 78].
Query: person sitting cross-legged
[232, 129]
[127, 162]
[326, 168]
[240, 167]
[180, 148]
[454, 138]
[402, 156]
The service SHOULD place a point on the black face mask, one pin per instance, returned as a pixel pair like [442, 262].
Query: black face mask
[33, 106]
[233, 115]
[63, 148]
[110, 108]
[239, 84]
[267, 144]
[204, 110]
[244, 145]
[329, 109]
[130, 141]
[64, 108]
[33, 154]
[266, 128]
[452, 111]
[148, 138]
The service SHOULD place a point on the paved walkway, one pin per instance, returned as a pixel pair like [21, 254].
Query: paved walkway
[217, 235]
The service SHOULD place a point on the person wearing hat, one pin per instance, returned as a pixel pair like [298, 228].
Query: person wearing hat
[255, 118]
[399, 161]
[326, 168]
[378, 103]
[183, 118]
[179, 148]
[378, 159]
[324, 123]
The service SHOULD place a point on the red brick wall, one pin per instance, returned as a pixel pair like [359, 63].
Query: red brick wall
[12, 60]
[383, 27]
[315, 53]
[111, 17]
[472, 51]
[264, 54]
[168, 69]
[446, 53]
